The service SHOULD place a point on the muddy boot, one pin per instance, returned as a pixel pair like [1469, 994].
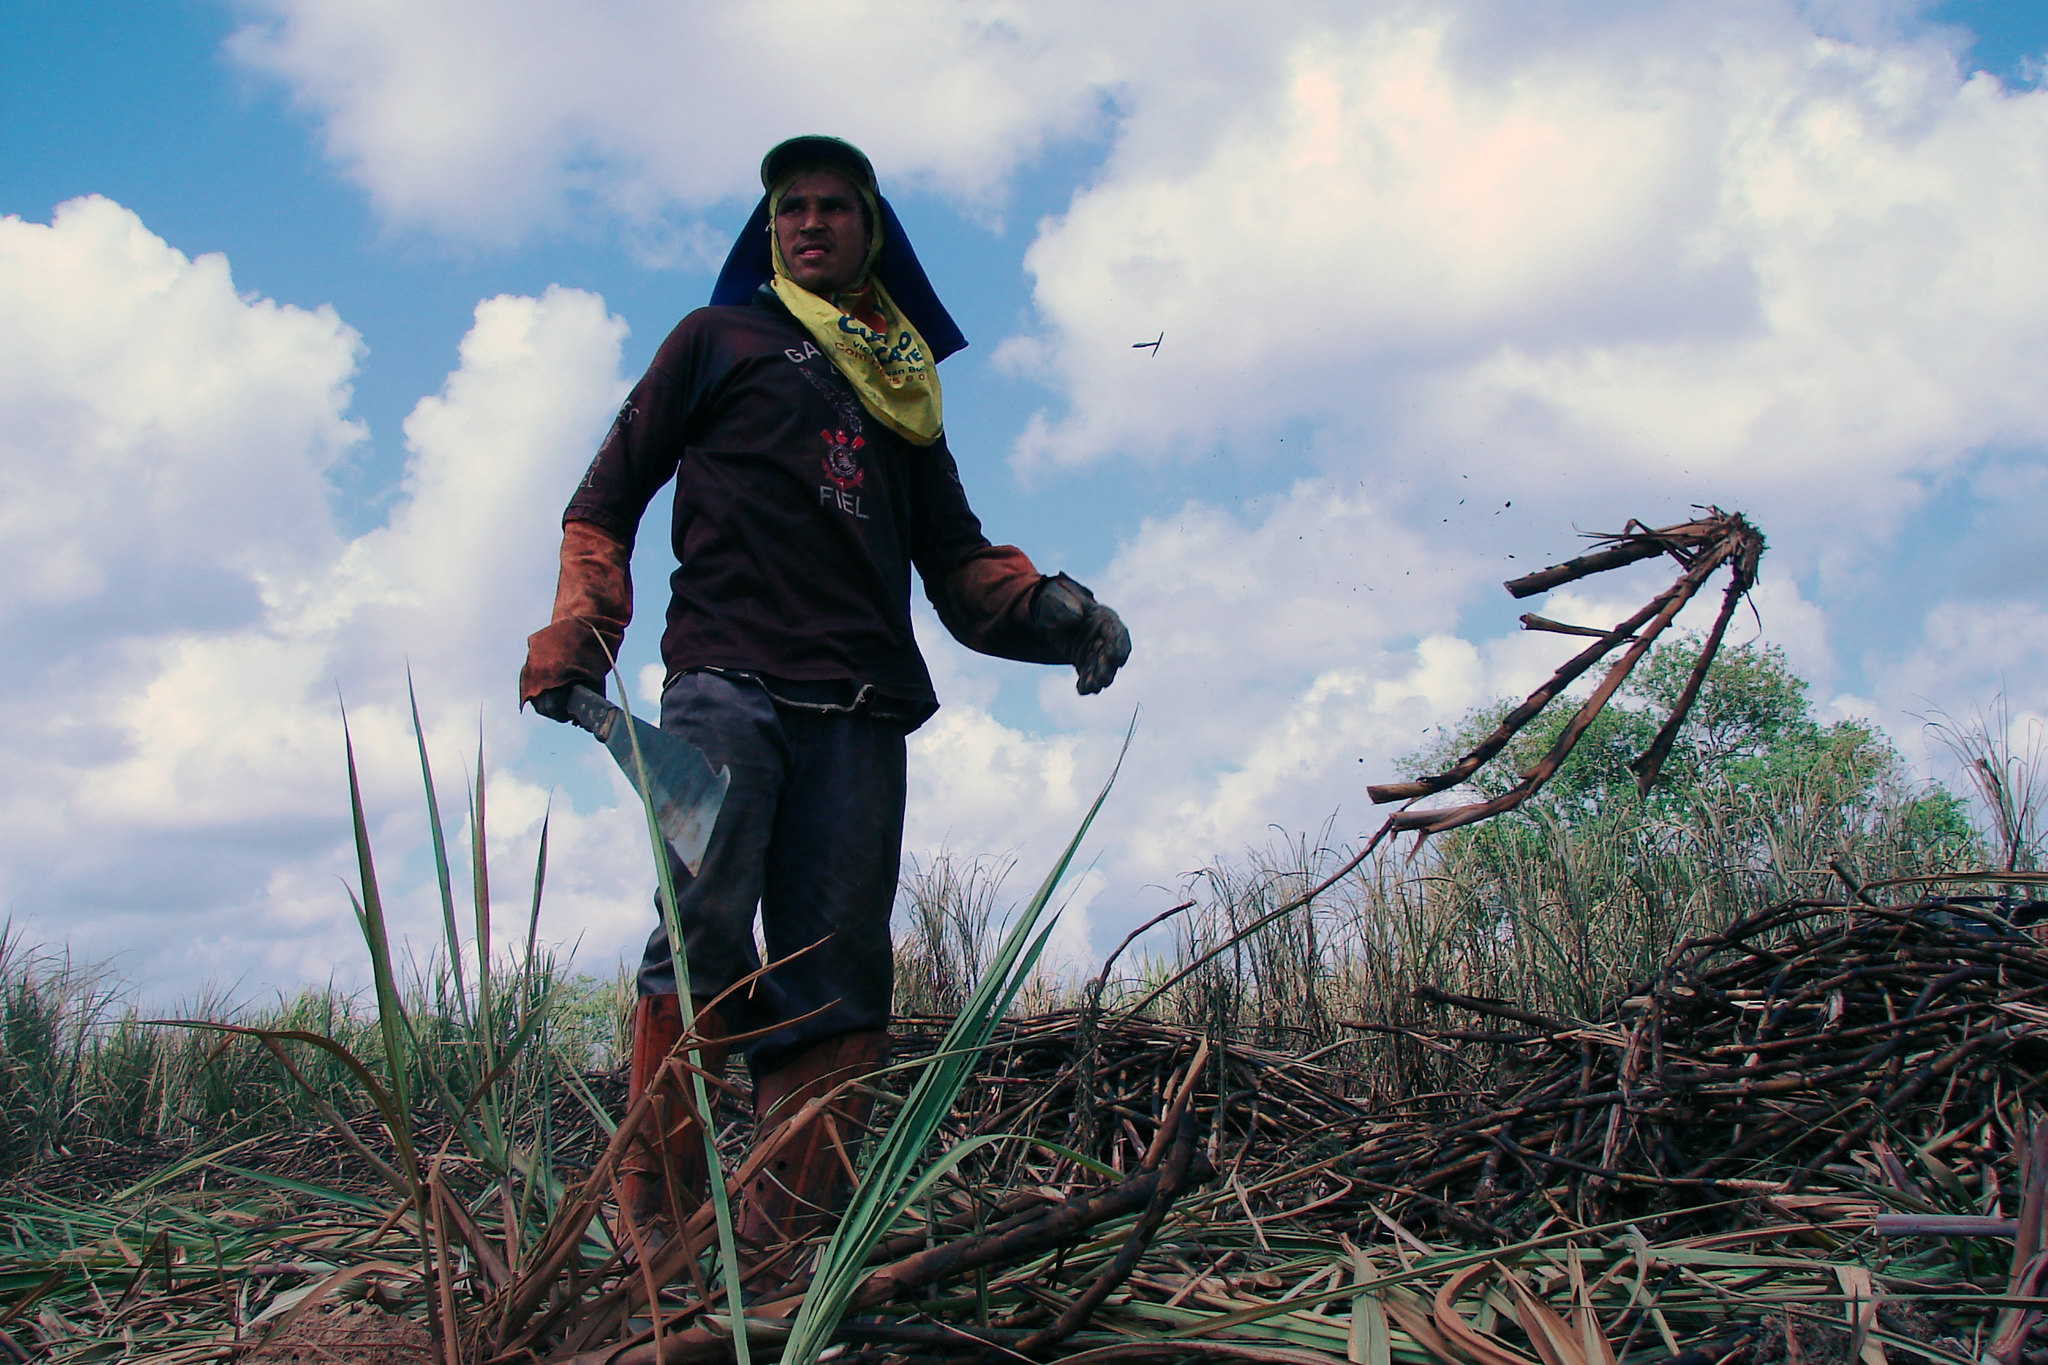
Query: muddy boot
[670, 1143]
[800, 1190]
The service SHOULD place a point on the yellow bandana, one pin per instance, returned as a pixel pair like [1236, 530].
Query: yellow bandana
[890, 367]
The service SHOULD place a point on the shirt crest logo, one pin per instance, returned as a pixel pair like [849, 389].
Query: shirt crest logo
[842, 463]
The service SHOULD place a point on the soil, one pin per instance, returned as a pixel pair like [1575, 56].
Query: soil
[358, 1334]
[1784, 1341]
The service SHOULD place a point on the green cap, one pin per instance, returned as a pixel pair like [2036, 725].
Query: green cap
[812, 149]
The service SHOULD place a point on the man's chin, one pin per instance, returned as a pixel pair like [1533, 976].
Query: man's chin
[819, 282]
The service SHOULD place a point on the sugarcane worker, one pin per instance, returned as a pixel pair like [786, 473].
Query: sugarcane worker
[799, 416]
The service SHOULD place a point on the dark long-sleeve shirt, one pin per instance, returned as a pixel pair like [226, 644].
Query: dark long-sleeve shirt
[798, 517]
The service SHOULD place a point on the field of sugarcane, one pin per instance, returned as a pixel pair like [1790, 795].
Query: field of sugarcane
[1745, 1068]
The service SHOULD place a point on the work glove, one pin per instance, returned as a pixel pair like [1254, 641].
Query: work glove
[1090, 635]
[593, 603]
[554, 703]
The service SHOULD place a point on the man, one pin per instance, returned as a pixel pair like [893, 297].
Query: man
[800, 417]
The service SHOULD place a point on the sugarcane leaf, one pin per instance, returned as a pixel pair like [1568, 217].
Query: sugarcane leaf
[870, 1210]
[440, 843]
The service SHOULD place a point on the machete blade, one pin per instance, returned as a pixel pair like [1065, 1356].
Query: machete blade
[685, 792]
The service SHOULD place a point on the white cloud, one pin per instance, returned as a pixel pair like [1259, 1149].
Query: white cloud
[124, 470]
[162, 448]
[1234, 614]
[1681, 260]
[1974, 651]
[1777, 256]
[1600, 266]
[1683, 251]
[1285, 656]
[182, 607]
[1332, 740]
[1675, 260]
[490, 122]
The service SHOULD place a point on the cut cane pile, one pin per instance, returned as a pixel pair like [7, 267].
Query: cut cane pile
[1811, 1077]
[1807, 1140]
[1807, 1049]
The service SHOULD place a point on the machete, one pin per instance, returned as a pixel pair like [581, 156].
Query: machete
[684, 791]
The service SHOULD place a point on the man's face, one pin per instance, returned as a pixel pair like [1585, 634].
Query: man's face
[819, 227]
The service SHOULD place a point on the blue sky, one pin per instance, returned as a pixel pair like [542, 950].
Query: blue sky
[1440, 287]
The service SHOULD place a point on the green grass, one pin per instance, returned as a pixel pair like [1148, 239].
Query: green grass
[81, 1069]
[1557, 917]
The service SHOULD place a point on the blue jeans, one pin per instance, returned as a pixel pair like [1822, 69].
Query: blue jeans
[811, 833]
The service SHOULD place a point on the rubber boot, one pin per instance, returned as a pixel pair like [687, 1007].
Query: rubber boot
[670, 1143]
[802, 1188]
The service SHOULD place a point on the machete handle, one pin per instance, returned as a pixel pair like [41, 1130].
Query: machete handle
[590, 711]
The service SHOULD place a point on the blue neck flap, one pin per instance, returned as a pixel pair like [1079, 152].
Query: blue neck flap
[748, 266]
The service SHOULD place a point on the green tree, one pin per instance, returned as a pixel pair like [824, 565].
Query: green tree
[1590, 883]
[1751, 737]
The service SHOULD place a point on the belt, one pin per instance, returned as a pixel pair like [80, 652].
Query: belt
[829, 697]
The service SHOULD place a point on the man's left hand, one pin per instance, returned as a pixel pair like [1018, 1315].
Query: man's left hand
[1105, 648]
[1091, 635]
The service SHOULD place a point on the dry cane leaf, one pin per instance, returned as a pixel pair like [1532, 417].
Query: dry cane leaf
[1482, 1349]
[1557, 1343]
[1367, 1343]
[1861, 1310]
[1593, 1342]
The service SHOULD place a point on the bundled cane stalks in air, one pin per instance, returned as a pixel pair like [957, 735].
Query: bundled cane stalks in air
[1718, 539]
[1812, 1135]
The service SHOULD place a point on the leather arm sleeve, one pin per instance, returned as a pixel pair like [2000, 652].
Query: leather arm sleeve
[985, 601]
[593, 605]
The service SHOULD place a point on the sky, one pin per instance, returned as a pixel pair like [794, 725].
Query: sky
[313, 311]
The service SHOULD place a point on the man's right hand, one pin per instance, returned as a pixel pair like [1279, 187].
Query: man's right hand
[593, 603]
[554, 703]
